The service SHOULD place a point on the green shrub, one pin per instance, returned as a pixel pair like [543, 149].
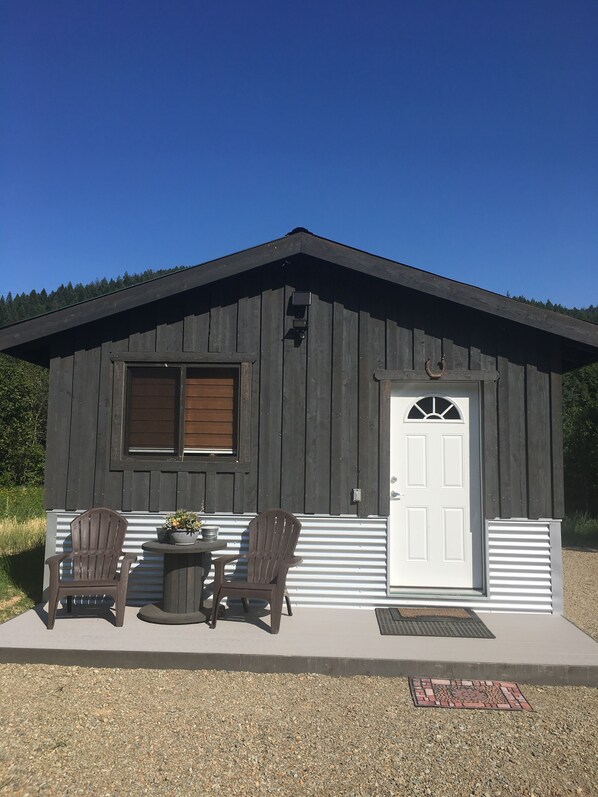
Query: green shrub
[23, 411]
[580, 528]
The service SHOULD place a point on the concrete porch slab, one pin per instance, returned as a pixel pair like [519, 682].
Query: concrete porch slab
[530, 648]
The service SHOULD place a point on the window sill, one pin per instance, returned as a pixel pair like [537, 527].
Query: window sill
[197, 464]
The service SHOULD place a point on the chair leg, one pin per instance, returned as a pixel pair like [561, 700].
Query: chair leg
[69, 604]
[275, 613]
[245, 605]
[288, 602]
[120, 600]
[215, 604]
[52, 606]
[119, 608]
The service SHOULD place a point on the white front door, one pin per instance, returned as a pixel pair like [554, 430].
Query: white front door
[435, 518]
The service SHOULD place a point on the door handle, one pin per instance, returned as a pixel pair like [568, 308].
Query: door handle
[395, 494]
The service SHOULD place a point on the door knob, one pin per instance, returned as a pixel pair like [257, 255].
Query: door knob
[395, 494]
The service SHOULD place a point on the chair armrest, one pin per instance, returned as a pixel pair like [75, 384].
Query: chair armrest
[127, 560]
[220, 563]
[228, 558]
[125, 567]
[292, 561]
[55, 561]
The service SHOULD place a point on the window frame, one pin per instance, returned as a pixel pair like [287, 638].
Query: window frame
[121, 459]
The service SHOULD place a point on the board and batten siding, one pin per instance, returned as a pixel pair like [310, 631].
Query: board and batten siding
[345, 563]
[317, 423]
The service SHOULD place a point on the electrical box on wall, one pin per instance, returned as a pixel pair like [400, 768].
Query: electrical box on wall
[356, 495]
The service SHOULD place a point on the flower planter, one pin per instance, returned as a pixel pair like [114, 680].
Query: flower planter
[183, 527]
[183, 537]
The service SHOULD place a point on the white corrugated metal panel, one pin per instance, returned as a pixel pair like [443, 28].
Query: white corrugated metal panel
[345, 563]
[519, 565]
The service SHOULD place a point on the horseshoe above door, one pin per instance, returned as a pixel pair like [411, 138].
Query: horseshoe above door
[434, 374]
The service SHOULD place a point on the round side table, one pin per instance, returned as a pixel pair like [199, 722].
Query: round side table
[185, 570]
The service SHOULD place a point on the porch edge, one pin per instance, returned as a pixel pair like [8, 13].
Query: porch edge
[547, 675]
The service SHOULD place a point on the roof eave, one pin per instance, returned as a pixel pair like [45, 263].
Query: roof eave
[40, 328]
[566, 326]
[25, 338]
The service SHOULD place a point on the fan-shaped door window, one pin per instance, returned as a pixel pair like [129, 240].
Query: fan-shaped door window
[434, 408]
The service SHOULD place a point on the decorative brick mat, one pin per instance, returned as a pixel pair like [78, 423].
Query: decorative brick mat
[432, 622]
[458, 693]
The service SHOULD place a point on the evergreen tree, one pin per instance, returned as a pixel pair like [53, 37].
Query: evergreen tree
[23, 409]
[580, 439]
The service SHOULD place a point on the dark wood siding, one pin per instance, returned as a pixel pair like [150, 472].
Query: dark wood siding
[318, 424]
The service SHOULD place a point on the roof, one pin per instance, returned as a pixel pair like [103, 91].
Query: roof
[29, 339]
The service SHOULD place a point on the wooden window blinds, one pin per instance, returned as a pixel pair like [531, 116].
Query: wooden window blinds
[210, 411]
[179, 409]
[152, 410]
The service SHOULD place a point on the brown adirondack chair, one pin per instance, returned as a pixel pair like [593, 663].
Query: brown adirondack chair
[272, 539]
[98, 536]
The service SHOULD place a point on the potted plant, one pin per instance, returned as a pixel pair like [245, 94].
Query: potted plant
[182, 527]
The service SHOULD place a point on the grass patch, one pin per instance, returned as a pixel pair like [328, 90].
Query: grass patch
[21, 503]
[580, 529]
[22, 538]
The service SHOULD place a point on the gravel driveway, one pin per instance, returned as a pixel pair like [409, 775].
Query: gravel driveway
[75, 731]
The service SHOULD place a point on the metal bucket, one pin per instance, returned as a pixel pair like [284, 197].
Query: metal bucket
[209, 533]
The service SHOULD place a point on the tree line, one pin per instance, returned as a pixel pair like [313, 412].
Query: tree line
[24, 396]
[27, 305]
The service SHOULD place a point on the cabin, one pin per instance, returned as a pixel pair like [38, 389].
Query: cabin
[413, 423]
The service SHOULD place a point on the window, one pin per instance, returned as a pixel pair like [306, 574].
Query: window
[188, 411]
[434, 408]
[182, 410]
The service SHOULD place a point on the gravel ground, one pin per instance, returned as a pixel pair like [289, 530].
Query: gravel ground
[581, 589]
[105, 733]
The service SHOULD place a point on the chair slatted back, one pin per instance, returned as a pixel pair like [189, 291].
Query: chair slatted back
[98, 537]
[273, 536]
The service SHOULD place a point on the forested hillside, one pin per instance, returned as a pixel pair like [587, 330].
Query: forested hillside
[27, 305]
[583, 313]
[23, 397]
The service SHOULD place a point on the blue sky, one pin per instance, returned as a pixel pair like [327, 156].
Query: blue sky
[459, 136]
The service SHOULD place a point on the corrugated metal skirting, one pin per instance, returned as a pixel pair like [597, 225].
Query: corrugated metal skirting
[520, 565]
[345, 562]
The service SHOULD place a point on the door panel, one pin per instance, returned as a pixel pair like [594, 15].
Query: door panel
[416, 475]
[453, 522]
[417, 533]
[452, 461]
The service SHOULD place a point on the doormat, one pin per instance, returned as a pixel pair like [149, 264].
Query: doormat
[432, 621]
[459, 693]
[431, 613]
